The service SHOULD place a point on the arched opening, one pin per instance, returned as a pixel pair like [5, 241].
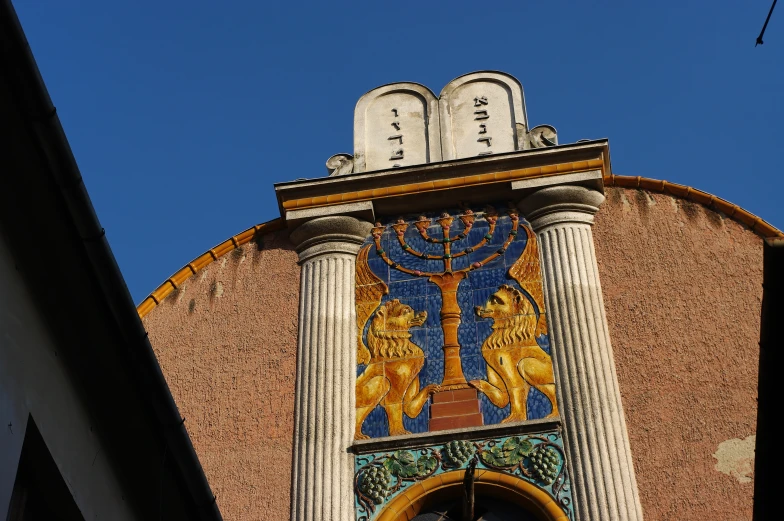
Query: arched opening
[499, 497]
[485, 509]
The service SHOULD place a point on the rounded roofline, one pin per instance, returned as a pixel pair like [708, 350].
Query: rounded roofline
[756, 224]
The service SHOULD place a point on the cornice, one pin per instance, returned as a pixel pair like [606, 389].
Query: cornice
[756, 224]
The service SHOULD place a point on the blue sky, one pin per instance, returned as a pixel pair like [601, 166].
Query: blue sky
[182, 115]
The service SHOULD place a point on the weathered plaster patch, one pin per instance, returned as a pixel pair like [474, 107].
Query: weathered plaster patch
[625, 202]
[735, 457]
[217, 289]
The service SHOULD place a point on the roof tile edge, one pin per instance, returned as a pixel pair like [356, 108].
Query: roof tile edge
[202, 261]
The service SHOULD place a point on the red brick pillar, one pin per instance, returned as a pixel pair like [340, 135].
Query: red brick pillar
[455, 410]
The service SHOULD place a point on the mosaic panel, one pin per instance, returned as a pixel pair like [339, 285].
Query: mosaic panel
[451, 324]
[538, 459]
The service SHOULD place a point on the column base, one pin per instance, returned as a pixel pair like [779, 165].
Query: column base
[455, 410]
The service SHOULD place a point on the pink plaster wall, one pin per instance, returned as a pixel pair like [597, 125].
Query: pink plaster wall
[227, 343]
[682, 288]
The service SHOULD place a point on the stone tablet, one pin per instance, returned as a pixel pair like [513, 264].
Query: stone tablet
[396, 125]
[482, 113]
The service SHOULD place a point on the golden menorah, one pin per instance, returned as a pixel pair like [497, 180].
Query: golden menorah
[448, 280]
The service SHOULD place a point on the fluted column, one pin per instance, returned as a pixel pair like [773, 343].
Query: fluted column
[322, 474]
[602, 471]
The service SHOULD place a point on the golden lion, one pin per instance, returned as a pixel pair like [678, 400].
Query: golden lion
[391, 377]
[515, 362]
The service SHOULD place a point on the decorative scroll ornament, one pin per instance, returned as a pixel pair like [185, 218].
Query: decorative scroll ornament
[542, 136]
[340, 164]
[539, 459]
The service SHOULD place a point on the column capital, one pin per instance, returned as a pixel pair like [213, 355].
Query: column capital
[330, 234]
[561, 204]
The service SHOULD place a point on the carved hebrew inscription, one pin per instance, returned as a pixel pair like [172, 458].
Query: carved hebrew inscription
[481, 121]
[479, 115]
[393, 127]
[395, 132]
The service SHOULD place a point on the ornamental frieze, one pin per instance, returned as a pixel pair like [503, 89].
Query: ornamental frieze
[536, 459]
[451, 324]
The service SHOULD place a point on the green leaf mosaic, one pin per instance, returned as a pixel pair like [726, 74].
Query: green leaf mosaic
[537, 458]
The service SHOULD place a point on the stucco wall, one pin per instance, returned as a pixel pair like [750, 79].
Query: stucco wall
[683, 288]
[35, 382]
[227, 342]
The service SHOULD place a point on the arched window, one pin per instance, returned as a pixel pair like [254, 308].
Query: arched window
[497, 497]
[486, 509]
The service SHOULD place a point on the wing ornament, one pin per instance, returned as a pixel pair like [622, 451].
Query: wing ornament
[369, 290]
[527, 272]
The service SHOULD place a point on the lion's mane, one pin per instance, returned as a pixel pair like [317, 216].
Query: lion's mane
[511, 331]
[390, 343]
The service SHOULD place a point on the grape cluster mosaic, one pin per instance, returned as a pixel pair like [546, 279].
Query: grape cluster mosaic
[537, 458]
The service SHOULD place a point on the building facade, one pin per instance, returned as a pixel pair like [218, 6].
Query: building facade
[467, 319]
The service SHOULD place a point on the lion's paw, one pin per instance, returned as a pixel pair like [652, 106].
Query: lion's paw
[398, 432]
[433, 388]
[514, 418]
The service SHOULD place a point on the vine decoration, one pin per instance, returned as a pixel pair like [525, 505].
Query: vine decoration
[539, 459]
[382, 476]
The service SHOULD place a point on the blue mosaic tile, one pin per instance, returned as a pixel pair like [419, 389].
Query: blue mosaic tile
[419, 336]
[466, 334]
[501, 232]
[376, 424]
[432, 372]
[466, 302]
[433, 307]
[488, 278]
[544, 343]
[538, 405]
[435, 341]
[490, 413]
[515, 249]
[378, 266]
[463, 243]
[409, 288]
[473, 349]
[460, 263]
[476, 235]
[498, 262]
[481, 296]
[474, 367]
[483, 329]
[418, 424]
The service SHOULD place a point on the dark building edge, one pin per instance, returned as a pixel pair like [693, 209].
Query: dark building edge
[63, 206]
[768, 404]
